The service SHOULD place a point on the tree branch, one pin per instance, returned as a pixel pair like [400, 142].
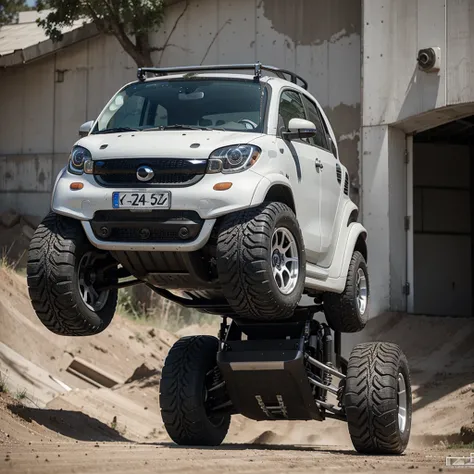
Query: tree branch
[228, 22]
[172, 31]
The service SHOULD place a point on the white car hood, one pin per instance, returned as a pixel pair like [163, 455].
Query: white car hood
[193, 144]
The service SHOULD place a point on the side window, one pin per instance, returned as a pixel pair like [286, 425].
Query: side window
[291, 107]
[313, 115]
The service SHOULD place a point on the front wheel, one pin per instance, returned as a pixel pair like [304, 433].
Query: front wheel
[188, 395]
[261, 262]
[68, 277]
[377, 398]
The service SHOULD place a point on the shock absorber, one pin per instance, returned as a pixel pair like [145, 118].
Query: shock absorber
[328, 349]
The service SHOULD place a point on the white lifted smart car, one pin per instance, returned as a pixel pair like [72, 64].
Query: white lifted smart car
[220, 189]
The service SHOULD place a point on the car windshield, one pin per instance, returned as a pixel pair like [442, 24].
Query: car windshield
[220, 104]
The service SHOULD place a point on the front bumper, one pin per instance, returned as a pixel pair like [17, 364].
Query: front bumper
[200, 198]
[196, 244]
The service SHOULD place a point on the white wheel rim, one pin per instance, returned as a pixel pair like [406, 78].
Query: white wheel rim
[402, 403]
[93, 299]
[285, 260]
[361, 291]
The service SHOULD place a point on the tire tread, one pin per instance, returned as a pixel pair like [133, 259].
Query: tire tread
[370, 398]
[341, 310]
[50, 267]
[182, 410]
[243, 249]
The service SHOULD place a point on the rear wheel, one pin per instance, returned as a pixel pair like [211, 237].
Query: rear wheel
[187, 394]
[348, 311]
[66, 279]
[261, 262]
[377, 398]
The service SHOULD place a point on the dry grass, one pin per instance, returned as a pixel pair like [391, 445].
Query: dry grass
[3, 383]
[160, 312]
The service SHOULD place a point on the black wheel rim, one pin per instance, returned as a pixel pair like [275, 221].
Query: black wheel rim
[89, 283]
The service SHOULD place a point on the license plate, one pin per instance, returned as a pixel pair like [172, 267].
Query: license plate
[147, 200]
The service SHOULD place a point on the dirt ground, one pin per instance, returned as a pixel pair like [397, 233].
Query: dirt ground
[51, 421]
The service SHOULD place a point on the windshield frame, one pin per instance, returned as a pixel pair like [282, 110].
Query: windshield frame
[265, 97]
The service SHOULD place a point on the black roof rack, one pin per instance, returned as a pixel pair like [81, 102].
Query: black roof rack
[257, 67]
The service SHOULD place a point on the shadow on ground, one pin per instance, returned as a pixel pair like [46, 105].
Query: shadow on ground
[73, 424]
[263, 447]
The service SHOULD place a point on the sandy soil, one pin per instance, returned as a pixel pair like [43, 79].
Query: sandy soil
[85, 429]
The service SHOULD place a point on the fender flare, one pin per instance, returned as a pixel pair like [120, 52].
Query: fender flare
[265, 184]
[356, 230]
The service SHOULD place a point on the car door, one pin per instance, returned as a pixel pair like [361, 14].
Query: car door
[330, 188]
[303, 174]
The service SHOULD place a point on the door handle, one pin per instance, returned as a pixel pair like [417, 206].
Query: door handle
[318, 165]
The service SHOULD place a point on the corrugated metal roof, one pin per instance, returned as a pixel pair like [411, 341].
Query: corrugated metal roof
[24, 35]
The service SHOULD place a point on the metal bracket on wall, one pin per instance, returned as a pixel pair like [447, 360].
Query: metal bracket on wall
[406, 289]
[407, 223]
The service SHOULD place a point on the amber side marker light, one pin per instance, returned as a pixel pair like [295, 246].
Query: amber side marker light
[222, 186]
[76, 186]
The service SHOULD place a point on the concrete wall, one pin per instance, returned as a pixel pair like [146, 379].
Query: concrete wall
[394, 31]
[40, 117]
[318, 39]
[383, 215]
[397, 97]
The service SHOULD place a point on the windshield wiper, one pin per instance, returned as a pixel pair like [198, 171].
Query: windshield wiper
[118, 130]
[182, 127]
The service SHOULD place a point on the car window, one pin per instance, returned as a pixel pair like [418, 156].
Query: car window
[237, 105]
[249, 119]
[130, 113]
[291, 107]
[314, 116]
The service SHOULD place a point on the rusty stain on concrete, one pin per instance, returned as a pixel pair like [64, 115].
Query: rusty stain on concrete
[41, 178]
[314, 21]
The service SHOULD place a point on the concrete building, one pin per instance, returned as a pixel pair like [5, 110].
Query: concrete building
[405, 134]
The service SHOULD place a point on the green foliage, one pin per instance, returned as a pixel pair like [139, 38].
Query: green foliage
[9, 10]
[469, 446]
[154, 309]
[122, 18]
[21, 394]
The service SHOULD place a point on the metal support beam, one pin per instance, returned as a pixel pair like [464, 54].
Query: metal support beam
[325, 367]
[329, 388]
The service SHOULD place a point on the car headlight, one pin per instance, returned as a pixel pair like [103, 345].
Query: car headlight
[80, 160]
[233, 159]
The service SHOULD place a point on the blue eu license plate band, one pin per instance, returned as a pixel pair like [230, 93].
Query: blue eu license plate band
[115, 200]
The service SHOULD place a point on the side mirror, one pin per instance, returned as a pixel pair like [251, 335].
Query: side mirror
[85, 128]
[300, 128]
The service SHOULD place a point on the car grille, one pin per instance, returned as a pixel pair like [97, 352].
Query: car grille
[168, 172]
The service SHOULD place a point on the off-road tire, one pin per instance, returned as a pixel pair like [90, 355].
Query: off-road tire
[341, 310]
[54, 254]
[244, 264]
[182, 393]
[371, 398]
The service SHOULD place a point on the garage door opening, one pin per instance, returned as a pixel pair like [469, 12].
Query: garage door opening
[443, 179]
